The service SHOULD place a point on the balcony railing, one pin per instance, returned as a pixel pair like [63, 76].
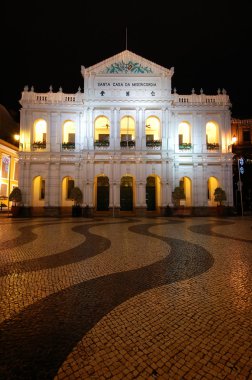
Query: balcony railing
[185, 146]
[39, 145]
[154, 143]
[213, 146]
[68, 146]
[101, 143]
[127, 144]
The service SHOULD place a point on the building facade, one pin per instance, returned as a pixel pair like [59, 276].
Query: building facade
[9, 172]
[127, 141]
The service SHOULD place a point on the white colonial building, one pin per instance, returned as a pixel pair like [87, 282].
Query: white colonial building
[126, 142]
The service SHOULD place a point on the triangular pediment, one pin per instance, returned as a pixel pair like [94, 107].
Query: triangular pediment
[127, 63]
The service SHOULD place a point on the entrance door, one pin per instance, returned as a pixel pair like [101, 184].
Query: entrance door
[126, 194]
[102, 193]
[151, 194]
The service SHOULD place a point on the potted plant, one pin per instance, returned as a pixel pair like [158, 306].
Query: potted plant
[15, 197]
[76, 196]
[220, 196]
[177, 195]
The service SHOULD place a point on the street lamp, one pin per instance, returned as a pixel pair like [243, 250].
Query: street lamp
[16, 137]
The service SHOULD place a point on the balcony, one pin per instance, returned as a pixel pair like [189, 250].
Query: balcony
[154, 144]
[185, 146]
[39, 145]
[101, 144]
[213, 146]
[127, 144]
[68, 146]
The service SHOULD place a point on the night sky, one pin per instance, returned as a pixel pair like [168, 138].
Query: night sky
[45, 43]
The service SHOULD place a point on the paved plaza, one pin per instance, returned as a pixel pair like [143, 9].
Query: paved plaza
[126, 298]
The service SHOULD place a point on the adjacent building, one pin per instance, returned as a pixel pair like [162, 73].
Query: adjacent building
[242, 174]
[9, 172]
[127, 141]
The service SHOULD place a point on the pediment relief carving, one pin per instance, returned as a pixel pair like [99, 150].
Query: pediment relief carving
[127, 63]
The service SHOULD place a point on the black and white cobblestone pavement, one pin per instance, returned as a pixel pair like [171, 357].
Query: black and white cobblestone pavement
[126, 298]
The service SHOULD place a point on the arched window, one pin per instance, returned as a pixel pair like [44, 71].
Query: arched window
[102, 131]
[68, 138]
[152, 131]
[127, 131]
[184, 135]
[212, 136]
[39, 134]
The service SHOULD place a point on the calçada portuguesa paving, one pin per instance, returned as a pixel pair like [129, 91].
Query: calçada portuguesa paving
[126, 298]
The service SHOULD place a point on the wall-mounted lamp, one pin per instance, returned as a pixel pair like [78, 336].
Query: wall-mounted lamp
[16, 137]
[234, 139]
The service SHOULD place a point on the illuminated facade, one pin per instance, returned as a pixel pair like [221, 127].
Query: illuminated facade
[126, 142]
[9, 172]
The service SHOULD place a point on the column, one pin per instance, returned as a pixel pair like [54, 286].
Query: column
[55, 185]
[117, 128]
[203, 200]
[142, 137]
[90, 129]
[137, 128]
[195, 185]
[163, 132]
[83, 129]
[112, 129]
[47, 201]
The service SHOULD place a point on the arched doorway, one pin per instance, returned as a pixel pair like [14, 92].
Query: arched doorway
[126, 193]
[66, 188]
[38, 198]
[212, 184]
[186, 184]
[102, 200]
[151, 193]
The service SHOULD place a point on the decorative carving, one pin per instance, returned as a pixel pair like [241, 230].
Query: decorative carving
[127, 67]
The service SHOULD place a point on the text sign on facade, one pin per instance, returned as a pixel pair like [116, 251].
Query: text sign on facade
[136, 84]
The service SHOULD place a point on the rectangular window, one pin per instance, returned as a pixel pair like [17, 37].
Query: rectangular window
[5, 166]
[44, 138]
[71, 137]
[103, 137]
[126, 137]
[4, 190]
[149, 137]
[16, 171]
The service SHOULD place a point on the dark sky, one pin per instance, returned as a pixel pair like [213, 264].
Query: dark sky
[45, 43]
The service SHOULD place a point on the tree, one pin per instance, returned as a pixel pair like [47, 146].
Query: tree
[76, 196]
[219, 195]
[177, 195]
[15, 196]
